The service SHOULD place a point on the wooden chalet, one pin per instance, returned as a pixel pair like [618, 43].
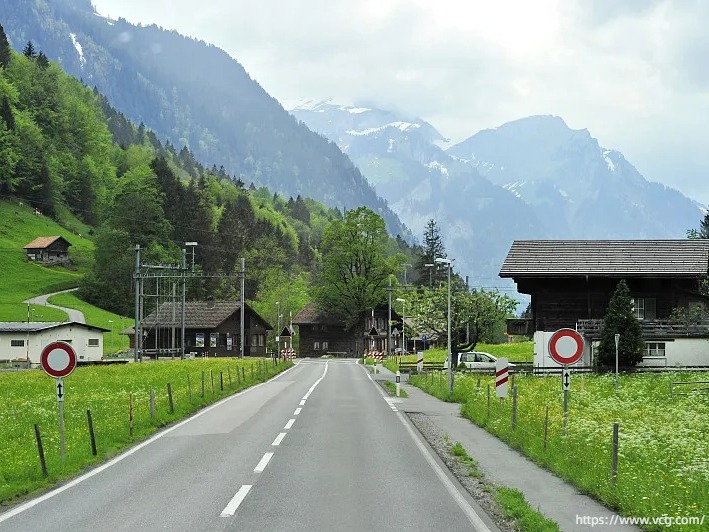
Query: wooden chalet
[571, 283]
[321, 333]
[48, 249]
[212, 328]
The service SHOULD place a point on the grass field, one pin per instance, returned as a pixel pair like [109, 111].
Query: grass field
[663, 468]
[29, 397]
[23, 279]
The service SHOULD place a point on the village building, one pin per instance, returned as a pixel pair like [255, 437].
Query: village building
[571, 283]
[48, 250]
[321, 333]
[212, 328]
[20, 341]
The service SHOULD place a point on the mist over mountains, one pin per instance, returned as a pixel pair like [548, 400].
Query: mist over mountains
[531, 178]
[193, 94]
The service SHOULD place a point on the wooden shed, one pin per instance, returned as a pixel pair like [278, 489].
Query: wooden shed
[48, 249]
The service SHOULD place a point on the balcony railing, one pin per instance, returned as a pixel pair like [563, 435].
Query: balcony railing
[651, 328]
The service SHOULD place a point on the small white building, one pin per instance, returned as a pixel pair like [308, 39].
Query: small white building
[26, 340]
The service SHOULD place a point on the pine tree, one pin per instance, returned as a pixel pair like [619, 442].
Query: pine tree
[29, 50]
[5, 50]
[621, 319]
[42, 61]
[432, 249]
[6, 114]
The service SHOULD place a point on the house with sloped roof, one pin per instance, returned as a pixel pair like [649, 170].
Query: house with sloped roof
[571, 283]
[48, 249]
[321, 333]
[24, 341]
[212, 328]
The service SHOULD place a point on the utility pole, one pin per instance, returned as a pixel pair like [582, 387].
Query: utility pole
[136, 329]
[389, 321]
[241, 310]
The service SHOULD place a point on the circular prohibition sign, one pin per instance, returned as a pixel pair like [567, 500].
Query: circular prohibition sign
[58, 359]
[566, 346]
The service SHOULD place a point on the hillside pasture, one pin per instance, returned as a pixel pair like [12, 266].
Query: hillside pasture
[23, 279]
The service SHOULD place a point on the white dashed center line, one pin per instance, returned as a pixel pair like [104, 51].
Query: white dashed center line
[263, 463]
[297, 411]
[289, 424]
[279, 438]
[236, 500]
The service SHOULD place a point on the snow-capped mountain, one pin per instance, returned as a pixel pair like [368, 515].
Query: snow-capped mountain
[530, 178]
[577, 188]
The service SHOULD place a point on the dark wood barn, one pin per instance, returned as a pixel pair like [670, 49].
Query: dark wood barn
[211, 328]
[571, 281]
[48, 249]
[320, 333]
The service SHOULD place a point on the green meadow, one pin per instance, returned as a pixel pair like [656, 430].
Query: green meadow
[663, 440]
[118, 397]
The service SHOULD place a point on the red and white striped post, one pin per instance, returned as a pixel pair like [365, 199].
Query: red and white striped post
[502, 373]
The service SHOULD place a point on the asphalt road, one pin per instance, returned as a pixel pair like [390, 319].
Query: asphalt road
[317, 448]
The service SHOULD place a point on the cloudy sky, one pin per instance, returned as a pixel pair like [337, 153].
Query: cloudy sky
[635, 73]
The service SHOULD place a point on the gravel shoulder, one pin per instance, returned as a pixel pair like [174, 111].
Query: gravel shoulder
[477, 486]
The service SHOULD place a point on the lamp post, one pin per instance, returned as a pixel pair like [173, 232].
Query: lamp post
[110, 325]
[403, 324]
[447, 262]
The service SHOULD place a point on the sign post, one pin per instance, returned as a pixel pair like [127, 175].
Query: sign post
[566, 347]
[58, 360]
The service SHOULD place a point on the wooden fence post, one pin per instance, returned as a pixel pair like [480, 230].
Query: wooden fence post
[92, 436]
[514, 407]
[221, 381]
[614, 455]
[189, 387]
[169, 398]
[203, 384]
[130, 415]
[152, 403]
[546, 425]
[40, 450]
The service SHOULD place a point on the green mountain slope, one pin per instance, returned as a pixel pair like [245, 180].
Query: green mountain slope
[193, 94]
[22, 278]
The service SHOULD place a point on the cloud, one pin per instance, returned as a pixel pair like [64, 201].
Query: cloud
[634, 73]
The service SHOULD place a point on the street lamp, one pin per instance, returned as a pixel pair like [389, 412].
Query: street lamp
[447, 262]
[403, 324]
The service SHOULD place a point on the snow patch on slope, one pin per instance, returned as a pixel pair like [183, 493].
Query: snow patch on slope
[79, 49]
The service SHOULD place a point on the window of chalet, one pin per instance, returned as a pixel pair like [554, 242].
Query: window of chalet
[93, 342]
[645, 308]
[654, 349]
[324, 346]
[316, 346]
[17, 343]
[258, 340]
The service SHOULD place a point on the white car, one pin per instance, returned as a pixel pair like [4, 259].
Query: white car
[477, 360]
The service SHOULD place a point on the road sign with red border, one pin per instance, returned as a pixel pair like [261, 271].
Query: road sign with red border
[566, 346]
[58, 359]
